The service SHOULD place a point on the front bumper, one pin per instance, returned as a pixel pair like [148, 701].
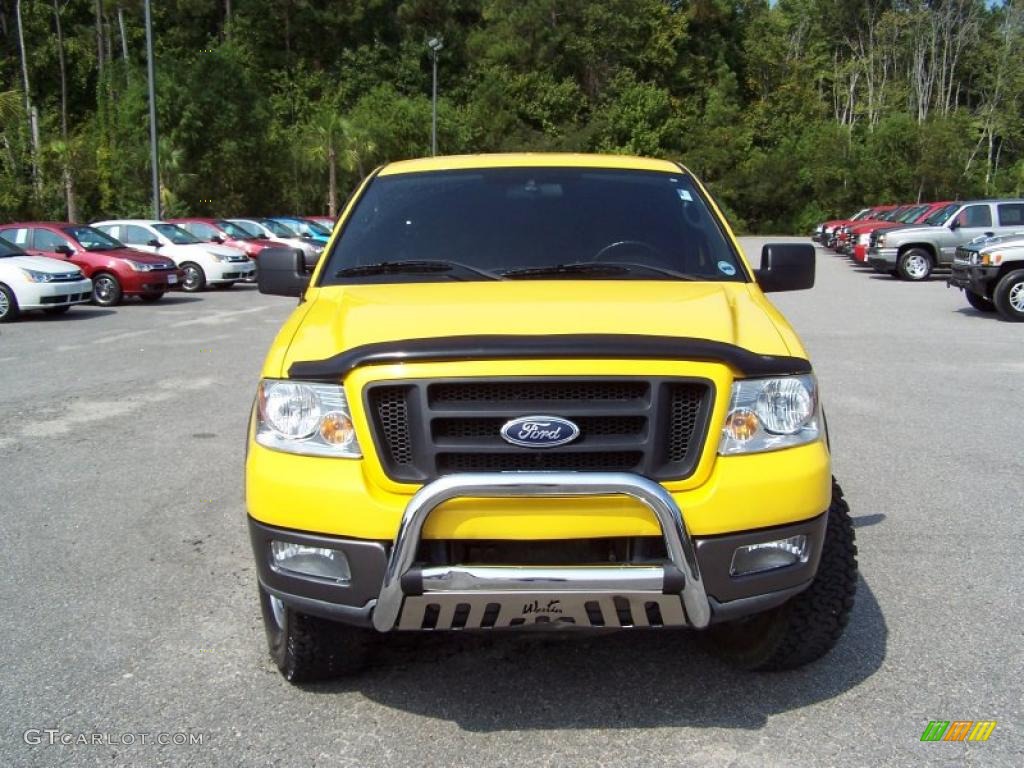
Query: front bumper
[974, 278]
[390, 590]
[232, 272]
[883, 258]
[157, 281]
[49, 295]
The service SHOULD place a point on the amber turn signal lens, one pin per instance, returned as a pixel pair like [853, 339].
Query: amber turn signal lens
[742, 425]
[336, 428]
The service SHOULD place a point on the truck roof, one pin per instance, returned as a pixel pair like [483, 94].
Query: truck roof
[528, 160]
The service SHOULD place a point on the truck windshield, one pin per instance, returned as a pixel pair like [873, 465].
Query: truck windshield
[533, 223]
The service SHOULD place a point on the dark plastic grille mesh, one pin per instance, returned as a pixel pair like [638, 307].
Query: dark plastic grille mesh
[683, 412]
[600, 461]
[392, 411]
[589, 427]
[537, 391]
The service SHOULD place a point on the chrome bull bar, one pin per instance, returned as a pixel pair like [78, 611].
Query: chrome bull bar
[571, 594]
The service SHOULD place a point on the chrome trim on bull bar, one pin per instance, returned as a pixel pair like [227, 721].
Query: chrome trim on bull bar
[678, 543]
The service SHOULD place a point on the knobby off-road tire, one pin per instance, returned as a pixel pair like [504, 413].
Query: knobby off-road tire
[307, 648]
[979, 302]
[807, 626]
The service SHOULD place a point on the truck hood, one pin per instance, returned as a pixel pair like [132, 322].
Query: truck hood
[337, 318]
[911, 230]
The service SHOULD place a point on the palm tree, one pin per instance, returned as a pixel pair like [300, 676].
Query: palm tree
[330, 137]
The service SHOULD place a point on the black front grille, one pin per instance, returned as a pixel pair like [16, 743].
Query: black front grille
[425, 429]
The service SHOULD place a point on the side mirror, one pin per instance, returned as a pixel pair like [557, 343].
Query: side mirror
[282, 272]
[155, 243]
[64, 249]
[217, 239]
[954, 224]
[786, 267]
[306, 235]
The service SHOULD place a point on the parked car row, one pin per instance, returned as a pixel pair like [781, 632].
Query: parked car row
[981, 241]
[52, 266]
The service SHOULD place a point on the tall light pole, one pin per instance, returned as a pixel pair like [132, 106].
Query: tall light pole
[435, 44]
[154, 154]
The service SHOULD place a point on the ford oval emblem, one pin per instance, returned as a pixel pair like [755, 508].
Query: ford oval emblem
[539, 431]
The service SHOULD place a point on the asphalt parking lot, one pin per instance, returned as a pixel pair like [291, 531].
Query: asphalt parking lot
[130, 606]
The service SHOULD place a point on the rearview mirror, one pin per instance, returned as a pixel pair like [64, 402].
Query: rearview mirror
[281, 272]
[786, 267]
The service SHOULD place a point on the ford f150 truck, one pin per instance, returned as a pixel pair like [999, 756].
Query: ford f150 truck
[542, 392]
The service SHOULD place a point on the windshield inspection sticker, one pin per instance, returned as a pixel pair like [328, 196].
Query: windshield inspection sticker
[726, 268]
[684, 194]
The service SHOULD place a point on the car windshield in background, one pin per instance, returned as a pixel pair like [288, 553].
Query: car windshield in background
[942, 215]
[202, 230]
[236, 231]
[175, 234]
[92, 239]
[7, 248]
[277, 228]
[532, 223]
[312, 226]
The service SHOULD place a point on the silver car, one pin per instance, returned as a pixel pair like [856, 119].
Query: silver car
[912, 253]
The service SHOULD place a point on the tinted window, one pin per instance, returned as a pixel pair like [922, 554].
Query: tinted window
[176, 235]
[92, 239]
[45, 240]
[132, 234]
[975, 216]
[20, 237]
[7, 248]
[200, 229]
[1011, 214]
[513, 218]
[234, 230]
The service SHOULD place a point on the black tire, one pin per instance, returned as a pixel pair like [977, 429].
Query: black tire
[979, 302]
[307, 648]
[106, 290]
[57, 310]
[1008, 296]
[807, 626]
[151, 297]
[9, 311]
[193, 277]
[915, 265]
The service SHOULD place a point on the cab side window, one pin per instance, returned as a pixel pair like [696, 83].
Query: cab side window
[45, 240]
[1011, 214]
[975, 216]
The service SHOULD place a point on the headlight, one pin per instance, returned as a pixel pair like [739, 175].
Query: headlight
[769, 414]
[992, 259]
[140, 266]
[36, 277]
[880, 240]
[305, 418]
[864, 239]
[220, 256]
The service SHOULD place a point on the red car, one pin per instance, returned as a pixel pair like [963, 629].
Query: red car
[225, 233]
[918, 214]
[845, 237]
[116, 270]
[826, 231]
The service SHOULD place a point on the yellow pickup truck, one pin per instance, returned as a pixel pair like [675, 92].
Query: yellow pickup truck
[542, 392]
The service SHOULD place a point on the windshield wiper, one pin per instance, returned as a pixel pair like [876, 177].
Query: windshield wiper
[412, 266]
[594, 268]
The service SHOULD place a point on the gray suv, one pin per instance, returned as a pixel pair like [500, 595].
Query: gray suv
[913, 252]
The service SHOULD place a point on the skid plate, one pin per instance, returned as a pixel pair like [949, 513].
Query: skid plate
[473, 610]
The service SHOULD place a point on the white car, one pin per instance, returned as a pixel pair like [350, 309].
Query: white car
[277, 232]
[36, 282]
[201, 263]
